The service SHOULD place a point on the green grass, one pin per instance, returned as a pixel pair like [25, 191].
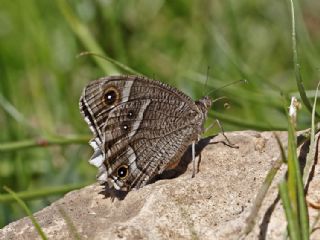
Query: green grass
[27, 211]
[292, 190]
[41, 77]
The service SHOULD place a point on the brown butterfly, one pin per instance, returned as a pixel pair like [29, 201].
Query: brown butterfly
[141, 127]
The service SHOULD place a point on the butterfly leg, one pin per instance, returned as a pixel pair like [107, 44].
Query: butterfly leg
[222, 132]
[193, 150]
[199, 161]
[195, 167]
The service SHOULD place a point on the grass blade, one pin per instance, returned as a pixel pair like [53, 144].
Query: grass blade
[294, 185]
[120, 65]
[251, 219]
[40, 193]
[43, 142]
[298, 76]
[28, 212]
[72, 228]
[245, 124]
[291, 219]
[85, 37]
[310, 156]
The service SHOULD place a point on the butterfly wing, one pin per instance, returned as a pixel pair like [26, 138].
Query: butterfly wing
[140, 125]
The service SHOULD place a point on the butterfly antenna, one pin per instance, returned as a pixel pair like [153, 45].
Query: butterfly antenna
[207, 78]
[227, 85]
[114, 62]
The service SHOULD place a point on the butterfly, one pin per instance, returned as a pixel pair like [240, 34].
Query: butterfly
[141, 127]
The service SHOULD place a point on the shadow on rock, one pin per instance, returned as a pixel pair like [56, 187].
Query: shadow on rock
[167, 174]
[186, 159]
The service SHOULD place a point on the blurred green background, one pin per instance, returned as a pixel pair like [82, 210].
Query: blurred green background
[41, 77]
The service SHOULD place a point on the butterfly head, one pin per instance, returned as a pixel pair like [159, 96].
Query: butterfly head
[204, 104]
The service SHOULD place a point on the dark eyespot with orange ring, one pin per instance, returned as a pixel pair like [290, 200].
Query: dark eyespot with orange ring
[111, 96]
[123, 171]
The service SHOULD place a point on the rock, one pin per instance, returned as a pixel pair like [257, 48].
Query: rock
[213, 205]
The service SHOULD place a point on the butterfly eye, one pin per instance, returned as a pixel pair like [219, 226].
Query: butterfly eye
[111, 96]
[122, 171]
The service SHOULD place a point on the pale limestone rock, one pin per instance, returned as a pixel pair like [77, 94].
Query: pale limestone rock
[213, 205]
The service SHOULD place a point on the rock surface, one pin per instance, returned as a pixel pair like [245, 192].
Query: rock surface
[213, 205]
